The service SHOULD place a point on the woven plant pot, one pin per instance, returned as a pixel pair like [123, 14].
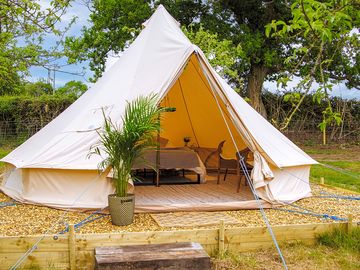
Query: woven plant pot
[121, 209]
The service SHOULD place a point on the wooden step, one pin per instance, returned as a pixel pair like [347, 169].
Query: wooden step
[173, 256]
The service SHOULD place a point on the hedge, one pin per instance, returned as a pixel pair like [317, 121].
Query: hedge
[24, 115]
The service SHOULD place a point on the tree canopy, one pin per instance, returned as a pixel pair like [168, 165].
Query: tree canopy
[72, 88]
[324, 43]
[23, 24]
[263, 56]
[240, 22]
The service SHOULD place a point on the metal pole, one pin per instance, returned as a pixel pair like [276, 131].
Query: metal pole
[54, 81]
[158, 156]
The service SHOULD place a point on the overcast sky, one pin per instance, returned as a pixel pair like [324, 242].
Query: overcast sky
[81, 12]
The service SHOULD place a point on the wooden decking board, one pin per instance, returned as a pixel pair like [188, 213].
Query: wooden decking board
[184, 197]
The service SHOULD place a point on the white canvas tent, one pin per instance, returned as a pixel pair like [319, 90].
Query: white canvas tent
[53, 168]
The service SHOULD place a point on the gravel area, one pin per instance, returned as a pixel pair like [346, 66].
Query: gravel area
[22, 219]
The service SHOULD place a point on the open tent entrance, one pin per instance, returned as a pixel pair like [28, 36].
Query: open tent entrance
[197, 113]
[198, 117]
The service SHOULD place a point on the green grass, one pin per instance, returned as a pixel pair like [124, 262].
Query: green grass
[340, 239]
[297, 256]
[349, 179]
[333, 250]
[3, 152]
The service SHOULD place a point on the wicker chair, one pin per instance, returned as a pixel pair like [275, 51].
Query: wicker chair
[232, 164]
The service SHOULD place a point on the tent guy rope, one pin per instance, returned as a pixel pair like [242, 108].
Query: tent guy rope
[85, 221]
[247, 176]
[340, 170]
[328, 194]
[309, 212]
[61, 218]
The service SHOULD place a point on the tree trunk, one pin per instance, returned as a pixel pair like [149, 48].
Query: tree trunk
[254, 87]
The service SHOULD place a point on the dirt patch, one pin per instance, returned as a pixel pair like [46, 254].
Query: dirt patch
[344, 152]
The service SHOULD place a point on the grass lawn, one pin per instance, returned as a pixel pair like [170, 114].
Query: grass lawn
[348, 179]
[3, 152]
[336, 250]
[346, 159]
[297, 256]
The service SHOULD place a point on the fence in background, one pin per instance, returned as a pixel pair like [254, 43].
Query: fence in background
[16, 132]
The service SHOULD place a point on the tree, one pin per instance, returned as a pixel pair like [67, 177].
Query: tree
[38, 88]
[263, 57]
[72, 88]
[329, 51]
[242, 24]
[23, 24]
[222, 54]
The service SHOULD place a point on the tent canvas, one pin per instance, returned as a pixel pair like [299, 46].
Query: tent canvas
[53, 167]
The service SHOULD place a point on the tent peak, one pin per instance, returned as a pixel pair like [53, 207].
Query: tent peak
[161, 11]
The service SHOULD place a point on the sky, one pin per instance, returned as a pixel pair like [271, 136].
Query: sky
[81, 71]
[81, 13]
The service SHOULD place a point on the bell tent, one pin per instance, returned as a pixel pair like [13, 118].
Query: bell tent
[53, 167]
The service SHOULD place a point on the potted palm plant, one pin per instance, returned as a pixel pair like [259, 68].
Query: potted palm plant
[121, 145]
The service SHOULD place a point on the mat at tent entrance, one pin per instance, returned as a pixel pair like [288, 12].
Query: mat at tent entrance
[190, 219]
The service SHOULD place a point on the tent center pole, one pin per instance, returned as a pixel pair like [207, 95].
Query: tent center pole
[157, 166]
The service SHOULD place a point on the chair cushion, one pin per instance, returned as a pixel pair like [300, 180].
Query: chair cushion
[228, 163]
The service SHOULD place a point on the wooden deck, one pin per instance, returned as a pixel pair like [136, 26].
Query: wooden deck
[202, 197]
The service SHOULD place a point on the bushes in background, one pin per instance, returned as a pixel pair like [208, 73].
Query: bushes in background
[310, 114]
[22, 116]
[25, 115]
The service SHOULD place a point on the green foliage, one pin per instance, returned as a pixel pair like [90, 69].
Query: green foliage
[329, 116]
[262, 40]
[292, 97]
[330, 23]
[222, 54]
[329, 48]
[23, 26]
[72, 88]
[310, 115]
[38, 88]
[22, 116]
[123, 143]
[340, 239]
[116, 23]
[18, 108]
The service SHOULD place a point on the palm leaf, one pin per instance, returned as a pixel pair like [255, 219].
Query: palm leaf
[123, 145]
